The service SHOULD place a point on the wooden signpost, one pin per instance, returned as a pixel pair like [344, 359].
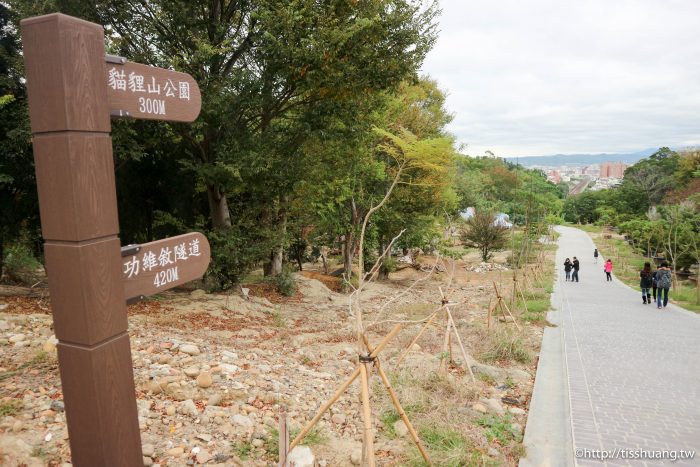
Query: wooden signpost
[73, 89]
[163, 264]
[145, 92]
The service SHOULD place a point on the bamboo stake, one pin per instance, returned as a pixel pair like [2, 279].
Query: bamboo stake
[503, 304]
[368, 447]
[283, 438]
[342, 389]
[442, 367]
[449, 345]
[415, 339]
[398, 407]
[488, 317]
[325, 407]
[522, 295]
[461, 346]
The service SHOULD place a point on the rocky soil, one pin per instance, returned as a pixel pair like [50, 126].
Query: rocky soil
[213, 371]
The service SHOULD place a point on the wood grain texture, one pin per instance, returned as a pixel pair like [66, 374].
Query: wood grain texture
[98, 391]
[75, 181]
[87, 293]
[141, 281]
[65, 69]
[158, 97]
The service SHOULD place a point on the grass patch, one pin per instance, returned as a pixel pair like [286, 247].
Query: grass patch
[505, 345]
[278, 320]
[242, 449]
[38, 359]
[447, 448]
[391, 416]
[312, 438]
[539, 305]
[39, 452]
[10, 407]
[500, 429]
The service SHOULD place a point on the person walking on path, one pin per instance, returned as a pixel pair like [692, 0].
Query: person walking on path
[576, 266]
[567, 269]
[608, 270]
[663, 284]
[645, 282]
[653, 283]
[595, 256]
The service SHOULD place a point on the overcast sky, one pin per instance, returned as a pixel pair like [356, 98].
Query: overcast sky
[536, 77]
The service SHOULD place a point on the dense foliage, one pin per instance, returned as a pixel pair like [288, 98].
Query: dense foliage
[311, 113]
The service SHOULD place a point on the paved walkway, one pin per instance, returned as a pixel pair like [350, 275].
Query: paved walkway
[632, 372]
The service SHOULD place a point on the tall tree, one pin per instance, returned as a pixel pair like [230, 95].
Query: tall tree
[18, 202]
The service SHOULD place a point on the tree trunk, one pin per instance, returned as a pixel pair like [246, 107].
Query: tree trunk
[274, 268]
[218, 207]
[348, 253]
[276, 258]
[350, 241]
[2, 255]
[383, 271]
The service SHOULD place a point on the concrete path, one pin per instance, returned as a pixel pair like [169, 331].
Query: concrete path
[631, 373]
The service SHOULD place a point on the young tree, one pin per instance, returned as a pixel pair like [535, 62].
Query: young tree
[482, 233]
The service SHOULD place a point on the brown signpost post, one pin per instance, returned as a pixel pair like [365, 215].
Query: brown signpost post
[73, 89]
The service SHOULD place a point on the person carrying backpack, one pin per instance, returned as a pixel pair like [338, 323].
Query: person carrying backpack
[645, 282]
[567, 269]
[663, 284]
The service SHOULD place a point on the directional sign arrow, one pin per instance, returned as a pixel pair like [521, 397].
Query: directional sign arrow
[161, 265]
[146, 92]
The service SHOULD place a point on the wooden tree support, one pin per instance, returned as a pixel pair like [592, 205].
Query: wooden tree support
[283, 438]
[502, 306]
[450, 328]
[517, 290]
[363, 371]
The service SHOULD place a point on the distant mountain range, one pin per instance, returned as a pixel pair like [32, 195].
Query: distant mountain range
[581, 159]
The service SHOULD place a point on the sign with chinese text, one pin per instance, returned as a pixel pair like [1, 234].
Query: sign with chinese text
[161, 265]
[146, 92]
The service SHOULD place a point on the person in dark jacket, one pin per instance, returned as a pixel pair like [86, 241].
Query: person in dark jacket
[663, 284]
[595, 256]
[576, 266]
[567, 269]
[653, 283]
[645, 282]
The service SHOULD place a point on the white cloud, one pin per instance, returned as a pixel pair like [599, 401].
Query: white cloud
[564, 76]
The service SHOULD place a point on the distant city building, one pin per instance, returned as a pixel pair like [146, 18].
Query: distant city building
[553, 176]
[612, 169]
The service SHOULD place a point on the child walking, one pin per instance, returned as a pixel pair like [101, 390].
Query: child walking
[608, 270]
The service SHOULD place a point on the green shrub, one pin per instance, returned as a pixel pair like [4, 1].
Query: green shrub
[19, 264]
[232, 257]
[285, 283]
